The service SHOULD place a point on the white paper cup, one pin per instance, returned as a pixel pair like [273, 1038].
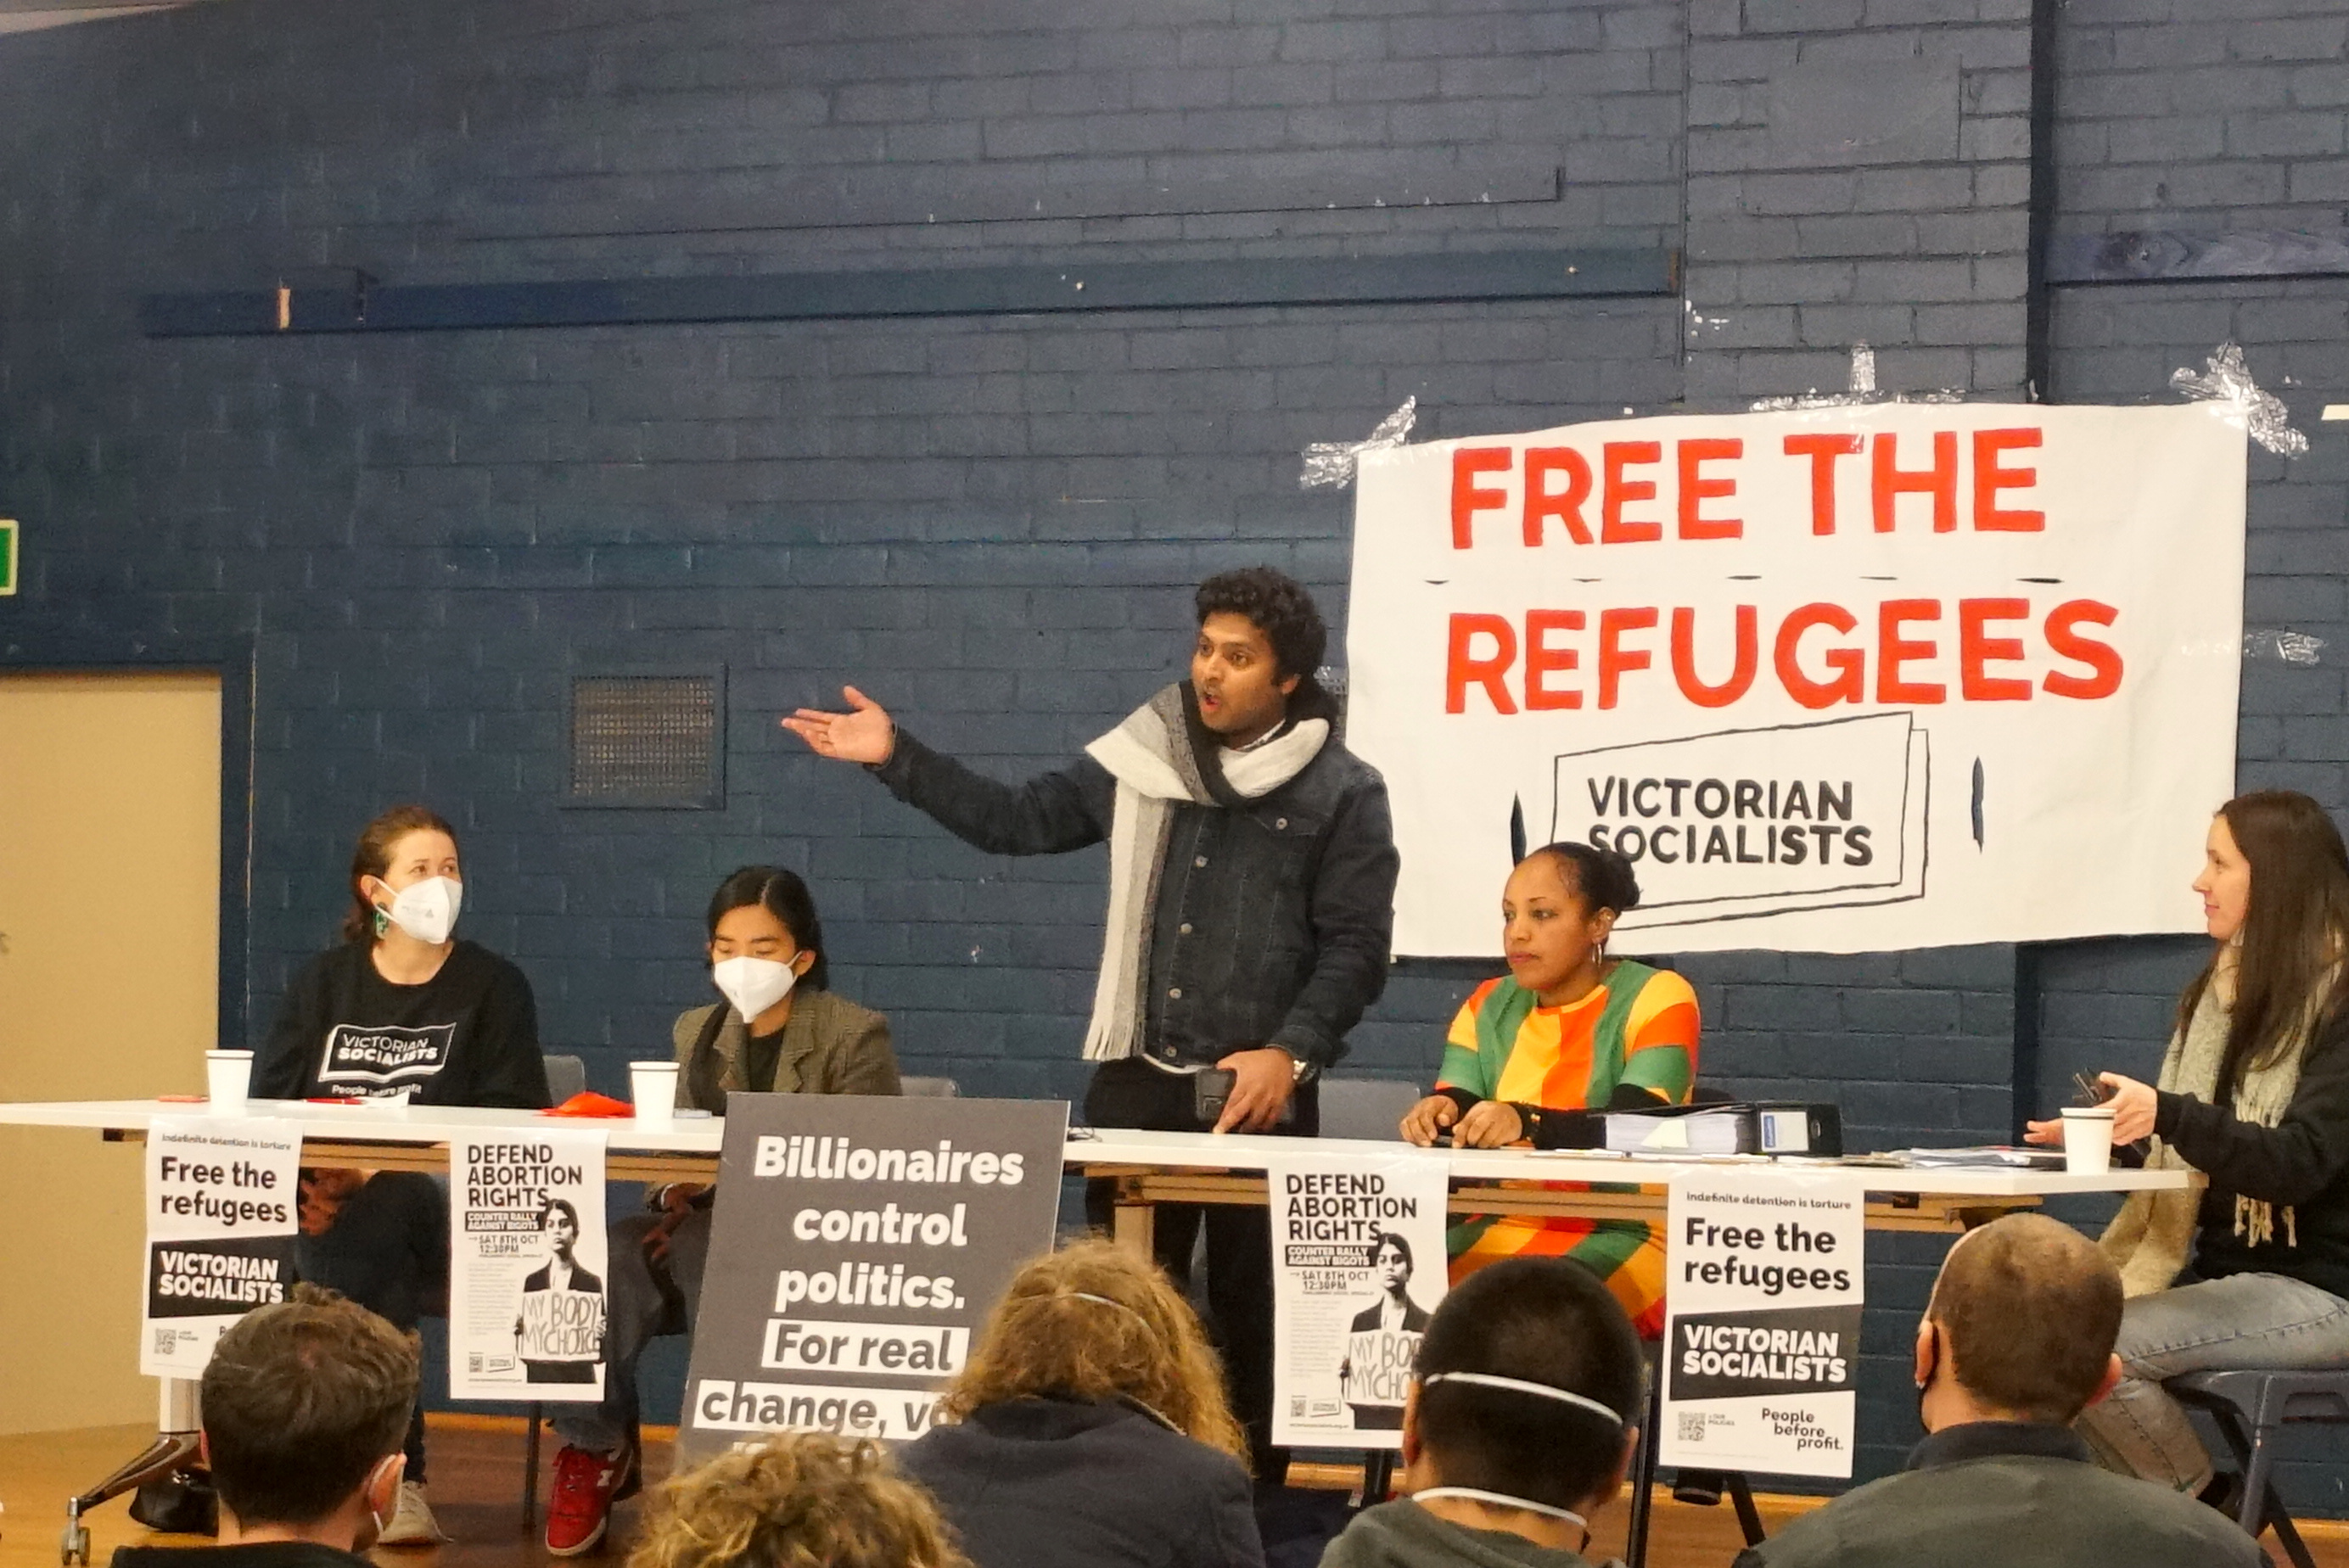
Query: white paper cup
[2088, 1139]
[653, 1086]
[228, 1078]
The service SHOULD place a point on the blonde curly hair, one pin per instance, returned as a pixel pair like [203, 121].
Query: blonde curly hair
[1092, 1322]
[797, 1500]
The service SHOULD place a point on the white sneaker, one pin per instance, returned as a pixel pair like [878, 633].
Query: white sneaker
[411, 1523]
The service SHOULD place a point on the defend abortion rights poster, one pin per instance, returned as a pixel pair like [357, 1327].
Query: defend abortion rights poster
[858, 1244]
[527, 1302]
[222, 1211]
[1834, 680]
[1762, 1289]
[1357, 1266]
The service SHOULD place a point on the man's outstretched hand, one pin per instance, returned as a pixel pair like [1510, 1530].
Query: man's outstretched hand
[864, 734]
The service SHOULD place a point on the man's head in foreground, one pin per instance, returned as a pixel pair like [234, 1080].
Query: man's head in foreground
[2021, 1327]
[1526, 1402]
[305, 1405]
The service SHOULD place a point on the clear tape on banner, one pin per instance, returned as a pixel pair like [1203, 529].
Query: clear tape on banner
[2277, 642]
[1860, 393]
[2227, 378]
[1329, 465]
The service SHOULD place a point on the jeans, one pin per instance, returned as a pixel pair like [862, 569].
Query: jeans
[1132, 1093]
[387, 1250]
[643, 1299]
[2241, 1323]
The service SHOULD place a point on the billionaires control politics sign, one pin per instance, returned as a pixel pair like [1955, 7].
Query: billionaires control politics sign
[1834, 680]
[860, 1241]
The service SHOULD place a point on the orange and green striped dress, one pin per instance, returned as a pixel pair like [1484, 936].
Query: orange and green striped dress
[1638, 1027]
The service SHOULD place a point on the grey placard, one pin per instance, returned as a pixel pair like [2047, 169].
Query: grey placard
[859, 1243]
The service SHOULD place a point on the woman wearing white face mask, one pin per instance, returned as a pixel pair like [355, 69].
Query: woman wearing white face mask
[399, 1006]
[780, 1030]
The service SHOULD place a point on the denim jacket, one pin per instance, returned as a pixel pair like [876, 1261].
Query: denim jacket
[1273, 921]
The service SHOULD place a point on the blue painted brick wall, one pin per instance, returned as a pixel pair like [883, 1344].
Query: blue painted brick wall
[991, 524]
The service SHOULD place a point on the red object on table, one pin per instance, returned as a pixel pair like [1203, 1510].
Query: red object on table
[587, 1103]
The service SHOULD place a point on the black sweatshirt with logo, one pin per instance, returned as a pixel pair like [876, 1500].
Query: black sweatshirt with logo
[469, 1036]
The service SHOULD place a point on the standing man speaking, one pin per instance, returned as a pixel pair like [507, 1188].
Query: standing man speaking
[1251, 901]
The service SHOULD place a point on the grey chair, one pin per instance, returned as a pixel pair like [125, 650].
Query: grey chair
[1366, 1106]
[2251, 1408]
[929, 1088]
[565, 1076]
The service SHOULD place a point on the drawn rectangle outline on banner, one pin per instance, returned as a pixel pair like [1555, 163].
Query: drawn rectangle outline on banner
[1912, 749]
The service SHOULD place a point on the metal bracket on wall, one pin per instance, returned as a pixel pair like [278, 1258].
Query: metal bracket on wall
[1439, 278]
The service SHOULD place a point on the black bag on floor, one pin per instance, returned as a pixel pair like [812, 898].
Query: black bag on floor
[181, 1503]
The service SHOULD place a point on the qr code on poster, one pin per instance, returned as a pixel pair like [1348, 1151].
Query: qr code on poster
[473, 1362]
[1692, 1426]
[167, 1340]
[1297, 1406]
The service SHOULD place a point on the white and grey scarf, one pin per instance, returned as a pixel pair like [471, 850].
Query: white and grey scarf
[1161, 756]
[2151, 1239]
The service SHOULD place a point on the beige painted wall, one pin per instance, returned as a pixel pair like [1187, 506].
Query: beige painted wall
[110, 912]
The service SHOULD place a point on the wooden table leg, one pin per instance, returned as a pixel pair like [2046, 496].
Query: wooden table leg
[1135, 1227]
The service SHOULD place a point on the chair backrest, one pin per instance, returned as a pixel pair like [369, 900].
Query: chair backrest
[565, 1076]
[1366, 1106]
[930, 1088]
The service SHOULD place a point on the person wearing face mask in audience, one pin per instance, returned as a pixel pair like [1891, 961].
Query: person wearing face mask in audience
[780, 1030]
[400, 1007]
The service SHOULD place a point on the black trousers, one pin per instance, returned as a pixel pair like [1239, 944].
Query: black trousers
[1132, 1093]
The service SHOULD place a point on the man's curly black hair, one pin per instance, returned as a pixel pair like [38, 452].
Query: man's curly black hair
[1277, 606]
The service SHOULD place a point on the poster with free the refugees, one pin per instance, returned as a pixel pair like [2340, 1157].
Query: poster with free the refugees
[1764, 1278]
[222, 1211]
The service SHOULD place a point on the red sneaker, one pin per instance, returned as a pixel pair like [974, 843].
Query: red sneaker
[586, 1486]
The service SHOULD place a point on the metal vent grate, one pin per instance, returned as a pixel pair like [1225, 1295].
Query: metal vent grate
[646, 741]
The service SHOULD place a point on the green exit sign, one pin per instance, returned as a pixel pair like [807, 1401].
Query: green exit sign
[7, 555]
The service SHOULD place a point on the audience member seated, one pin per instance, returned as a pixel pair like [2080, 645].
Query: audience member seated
[305, 1406]
[2015, 1343]
[400, 1007]
[1541, 1054]
[2254, 1093]
[1090, 1428]
[779, 1029]
[1517, 1428]
[797, 1499]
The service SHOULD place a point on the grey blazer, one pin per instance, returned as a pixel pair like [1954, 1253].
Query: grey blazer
[830, 1045]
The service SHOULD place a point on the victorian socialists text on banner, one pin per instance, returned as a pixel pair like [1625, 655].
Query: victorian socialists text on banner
[1836, 680]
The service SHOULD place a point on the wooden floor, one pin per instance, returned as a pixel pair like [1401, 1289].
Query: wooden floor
[477, 1466]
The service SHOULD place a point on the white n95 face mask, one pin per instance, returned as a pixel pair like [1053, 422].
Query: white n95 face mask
[427, 911]
[753, 985]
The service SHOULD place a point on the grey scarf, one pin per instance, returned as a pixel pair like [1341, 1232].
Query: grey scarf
[2151, 1239]
[1162, 757]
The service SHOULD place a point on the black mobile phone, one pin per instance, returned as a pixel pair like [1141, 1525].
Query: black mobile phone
[1211, 1087]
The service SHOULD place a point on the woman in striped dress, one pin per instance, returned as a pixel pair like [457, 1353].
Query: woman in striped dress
[1540, 1055]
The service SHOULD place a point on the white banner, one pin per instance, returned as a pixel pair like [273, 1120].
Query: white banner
[527, 1260]
[1763, 1297]
[1358, 1265]
[221, 1210]
[1841, 680]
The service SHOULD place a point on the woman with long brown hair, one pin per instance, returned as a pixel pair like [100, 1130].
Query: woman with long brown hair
[2254, 1093]
[1089, 1428]
[400, 1007]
